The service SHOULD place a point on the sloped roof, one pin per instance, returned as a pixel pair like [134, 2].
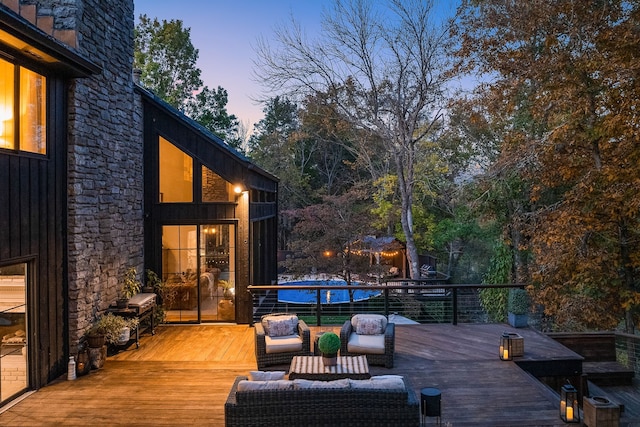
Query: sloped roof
[202, 131]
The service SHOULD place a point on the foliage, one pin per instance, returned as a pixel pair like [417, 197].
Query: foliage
[130, 285]
[494, 300]
[384, 73]
[160, 289]
[329, 343]
[111, 326]
[519, 302]
[209, 108]
[566, 86]
[324, 235]
[167, 60]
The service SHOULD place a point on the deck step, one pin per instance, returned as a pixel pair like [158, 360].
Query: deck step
[608, 373]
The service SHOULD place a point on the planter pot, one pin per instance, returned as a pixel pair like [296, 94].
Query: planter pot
[329, 359]
[519, 320]
[122, 303]
[125, 335]
[95, 341]
[97, 357]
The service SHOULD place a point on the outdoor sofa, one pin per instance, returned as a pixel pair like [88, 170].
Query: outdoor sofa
[344, 406]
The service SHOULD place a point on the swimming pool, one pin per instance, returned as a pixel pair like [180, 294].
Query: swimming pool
[327, 296]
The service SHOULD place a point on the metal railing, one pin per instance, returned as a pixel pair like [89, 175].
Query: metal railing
[412, 300]
[628, 351]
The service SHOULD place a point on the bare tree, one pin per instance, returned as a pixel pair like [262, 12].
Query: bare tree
[385, 65]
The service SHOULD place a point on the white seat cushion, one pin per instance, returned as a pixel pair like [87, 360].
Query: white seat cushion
[366, 344]
[283, 344]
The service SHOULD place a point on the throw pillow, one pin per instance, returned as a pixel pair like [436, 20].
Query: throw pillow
[369, 326]
[266, 375]
[280, 328]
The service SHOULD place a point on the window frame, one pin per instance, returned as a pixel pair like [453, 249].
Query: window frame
[15, 149]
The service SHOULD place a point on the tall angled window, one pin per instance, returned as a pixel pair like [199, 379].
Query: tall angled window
[23, 106]
[176, 174]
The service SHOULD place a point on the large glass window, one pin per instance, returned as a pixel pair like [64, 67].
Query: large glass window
[215, 188]
[13, 330]
[198, 266]
[32, 112]
[23, 109]
[176, 174]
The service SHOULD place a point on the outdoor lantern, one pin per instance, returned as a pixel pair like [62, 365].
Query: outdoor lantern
[506, 347]
[569, 411]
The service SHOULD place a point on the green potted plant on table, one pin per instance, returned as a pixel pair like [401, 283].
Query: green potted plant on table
[329, 345]
[116, 329]
[130, 287]
[518, 305]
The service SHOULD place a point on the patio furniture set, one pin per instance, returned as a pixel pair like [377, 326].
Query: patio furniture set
[317, 395]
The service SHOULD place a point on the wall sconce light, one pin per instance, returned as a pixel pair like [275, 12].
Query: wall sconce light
[237, 189]
[569, 410]
[506, 347]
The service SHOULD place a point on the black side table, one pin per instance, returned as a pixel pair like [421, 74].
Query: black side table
[430, 399]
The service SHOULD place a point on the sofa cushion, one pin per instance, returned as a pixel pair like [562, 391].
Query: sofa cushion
[246, 385]
[301, 384]
[366, 344]
[266, 375]
[356, 318]
[379, 384]
[283, 344]
[280, 322]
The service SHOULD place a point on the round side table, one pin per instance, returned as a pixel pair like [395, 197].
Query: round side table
[430, 404]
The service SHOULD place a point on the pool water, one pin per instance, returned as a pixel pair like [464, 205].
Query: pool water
[327, 296]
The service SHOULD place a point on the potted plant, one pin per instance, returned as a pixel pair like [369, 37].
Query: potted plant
[518, 305]
[329, 345]
[116, 329]
[130, 287]
[157, 286]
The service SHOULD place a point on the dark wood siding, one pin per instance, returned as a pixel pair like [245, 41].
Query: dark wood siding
[256, 223]
[32, 229]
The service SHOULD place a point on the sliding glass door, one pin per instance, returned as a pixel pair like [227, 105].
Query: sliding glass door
[13, 330]
[198, 266]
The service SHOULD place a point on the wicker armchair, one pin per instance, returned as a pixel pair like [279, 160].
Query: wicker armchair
[274, 348]
[378, 347]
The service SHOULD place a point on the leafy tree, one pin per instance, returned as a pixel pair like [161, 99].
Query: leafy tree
[167, 59]
[325, 234]
[164, 53]
[566, 77]
[209, 108]
[384, 68]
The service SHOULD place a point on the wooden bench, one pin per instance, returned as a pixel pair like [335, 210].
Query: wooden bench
[599, 351]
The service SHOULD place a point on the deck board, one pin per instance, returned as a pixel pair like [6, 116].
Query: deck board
[182, 375]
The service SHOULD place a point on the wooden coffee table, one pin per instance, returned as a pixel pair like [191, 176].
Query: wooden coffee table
[312, 368]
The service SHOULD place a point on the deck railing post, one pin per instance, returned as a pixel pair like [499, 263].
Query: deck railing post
[386, 302]
[454, 295]
[318, 308]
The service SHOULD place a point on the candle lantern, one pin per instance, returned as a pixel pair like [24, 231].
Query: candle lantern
[569, 411]
[506, 347]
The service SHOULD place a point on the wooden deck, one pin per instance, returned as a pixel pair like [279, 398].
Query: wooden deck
[182, 375]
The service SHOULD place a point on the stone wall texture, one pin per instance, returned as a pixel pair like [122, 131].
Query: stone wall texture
[105, 160]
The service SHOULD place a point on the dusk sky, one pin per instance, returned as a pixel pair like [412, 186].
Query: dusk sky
[225, 33]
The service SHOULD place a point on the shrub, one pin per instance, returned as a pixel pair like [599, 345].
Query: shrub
[518, 301]
[329, 343]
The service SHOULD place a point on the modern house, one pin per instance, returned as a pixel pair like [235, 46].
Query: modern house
[98, 175]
